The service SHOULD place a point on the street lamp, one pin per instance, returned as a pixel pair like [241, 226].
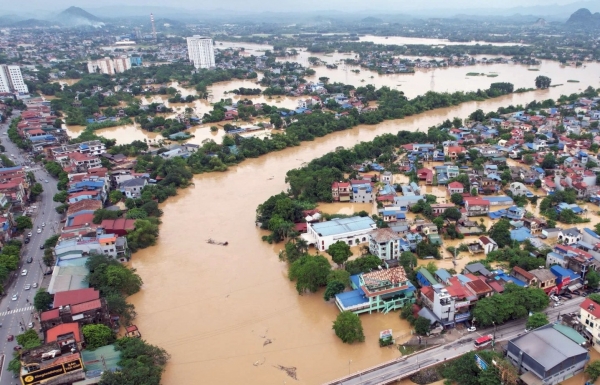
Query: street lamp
[349, 362]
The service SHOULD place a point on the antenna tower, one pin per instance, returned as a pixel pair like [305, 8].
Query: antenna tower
[153, 27]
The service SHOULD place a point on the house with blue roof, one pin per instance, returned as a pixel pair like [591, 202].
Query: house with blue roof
[424, 278]
[362, 191]
[382, 291]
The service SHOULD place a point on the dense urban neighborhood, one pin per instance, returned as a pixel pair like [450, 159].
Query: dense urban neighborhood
[345, 202]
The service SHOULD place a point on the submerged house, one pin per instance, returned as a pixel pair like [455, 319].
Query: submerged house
[378, 291]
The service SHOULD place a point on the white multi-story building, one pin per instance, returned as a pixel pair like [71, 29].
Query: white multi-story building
[201, 51]
[11, 79]
[109, 66]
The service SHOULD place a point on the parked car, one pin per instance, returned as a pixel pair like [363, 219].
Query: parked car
[30, 234]
[42, 246]
[471, 329]
[10, 338]
[15, 297]
[46, 180]
[567, 295]
[576, 292]
[30, 325]
[26, 241]
[43, 224]
[29, 260]
[34, 285]
[39, 231]
[17, 348]
[24, 272]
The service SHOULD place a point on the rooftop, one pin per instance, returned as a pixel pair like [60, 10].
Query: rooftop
[383, 235]
[74, 297]
[52, 334]
[343, 225]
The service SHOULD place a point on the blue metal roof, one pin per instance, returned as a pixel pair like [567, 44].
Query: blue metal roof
[556, 255]
[443, 274]
[591, 232]
[520, 235]
[352, 298]
[343, 225]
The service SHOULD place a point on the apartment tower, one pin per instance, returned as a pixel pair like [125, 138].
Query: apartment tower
[201, 51]
[11, 79]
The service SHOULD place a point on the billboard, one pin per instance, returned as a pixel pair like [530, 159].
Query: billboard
[384, 334]
[480, 362]
[36, 377]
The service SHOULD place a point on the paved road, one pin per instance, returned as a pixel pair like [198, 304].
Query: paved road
[387, 373]
[21, 310]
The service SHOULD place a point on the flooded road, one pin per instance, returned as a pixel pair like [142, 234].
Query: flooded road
[213, 308]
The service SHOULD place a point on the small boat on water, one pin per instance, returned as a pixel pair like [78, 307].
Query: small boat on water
[213, 242]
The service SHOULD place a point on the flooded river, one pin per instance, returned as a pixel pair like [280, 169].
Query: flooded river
[403, 40]
[213, 308]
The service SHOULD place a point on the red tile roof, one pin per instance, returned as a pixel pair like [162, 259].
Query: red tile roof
[478, 287]
[86, 306]
[455, 185]
[118, 224]
[52, 334]
[74, 297]
[50, 314]
[591, 307]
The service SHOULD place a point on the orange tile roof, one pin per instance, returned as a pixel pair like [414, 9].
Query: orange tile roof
[52, 334]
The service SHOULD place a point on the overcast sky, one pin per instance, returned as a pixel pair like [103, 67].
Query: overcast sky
[287, 5]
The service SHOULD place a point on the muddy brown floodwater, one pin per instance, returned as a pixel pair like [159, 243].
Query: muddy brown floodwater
[213, 307]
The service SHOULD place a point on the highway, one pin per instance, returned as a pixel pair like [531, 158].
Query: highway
[390, 371]
[13, 314]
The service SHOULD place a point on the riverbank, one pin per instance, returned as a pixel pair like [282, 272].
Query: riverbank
[245, 293]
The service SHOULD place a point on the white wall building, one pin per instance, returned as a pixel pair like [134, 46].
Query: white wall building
[11, 79]
[201, 51]
[353, 231]
[109, 66]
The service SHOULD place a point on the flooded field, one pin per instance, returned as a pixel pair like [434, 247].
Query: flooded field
[402, 40]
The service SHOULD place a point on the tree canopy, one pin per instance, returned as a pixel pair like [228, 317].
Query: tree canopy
[310, 272]
[348, 328]
[516, 302]
[97, 335]
[340, 252]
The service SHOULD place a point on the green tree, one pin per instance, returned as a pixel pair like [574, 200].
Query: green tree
[110, 276]
[408, 261]
[593, 279]
[140, 363]
[339, 275]
[117, 304]
[42, 300]
[29, 339]
[348, 328]
[333, 288]
[452, 213]
[144, 235]
[23, 223]
[97, 335]
[456, 198]
[542, 82]
[593, 370]
[500, 233]
[61, 197]
[536, 320]
[363, 264]
[422, 326]
[310, 272]
[340, 252]
[48, 257]
[36, 190]
[115, 196]
[52, 241]
[595, 297]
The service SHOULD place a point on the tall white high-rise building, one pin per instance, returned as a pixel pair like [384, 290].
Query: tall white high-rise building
[11, 79]
[201, 51]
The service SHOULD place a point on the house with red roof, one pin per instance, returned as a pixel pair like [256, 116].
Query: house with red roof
[476, 206]
[64, 331]
[426, 175]
[121, 226]
[453, 151]
[341, 191]
[90, 312]
[589, 315]
[455, 188]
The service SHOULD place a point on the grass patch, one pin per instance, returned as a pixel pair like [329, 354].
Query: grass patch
[572, 81]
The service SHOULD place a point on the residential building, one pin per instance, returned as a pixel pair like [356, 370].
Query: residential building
[525, 276]
[378, 291]
[384, 243]
[476, 206]
[11, 80]
[362, 191]
[546, 280]
[132, 188]
[455, 188]
[353, 231]
[488, 244]
[74, 297]
[546, 356]
[589, 316]
[120, 226]
[201, 51]
[570, 236]
[109, 66]
[91, 312]
[341, 191]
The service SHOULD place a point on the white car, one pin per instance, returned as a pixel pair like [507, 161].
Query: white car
[24, 272]
[15, 297]
[30, 234]
[43, 224]
[35, 285]
[46, 180]
[471, 329]
[27, 287]
[30, 325]
[39, 231]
